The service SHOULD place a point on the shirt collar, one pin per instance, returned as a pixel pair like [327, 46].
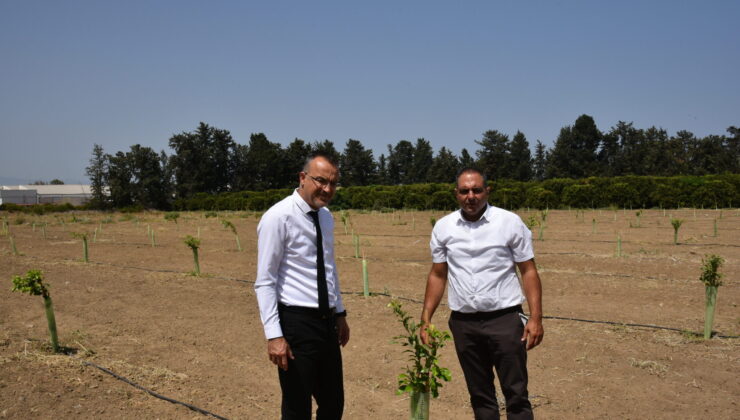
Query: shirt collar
[485, 217]
[300, 202]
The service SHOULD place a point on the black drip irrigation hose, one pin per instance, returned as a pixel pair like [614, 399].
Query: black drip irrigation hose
[655, 327]
[152, 393]
[407, 299]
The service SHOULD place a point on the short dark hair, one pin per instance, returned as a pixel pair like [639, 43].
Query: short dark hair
[470, 169]
[315, 155]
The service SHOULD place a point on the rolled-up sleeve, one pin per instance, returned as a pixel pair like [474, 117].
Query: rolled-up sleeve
[271, 233]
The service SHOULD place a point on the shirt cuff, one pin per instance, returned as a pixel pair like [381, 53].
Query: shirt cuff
[273, 331]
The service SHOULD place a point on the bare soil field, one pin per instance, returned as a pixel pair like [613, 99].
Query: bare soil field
[135, 310]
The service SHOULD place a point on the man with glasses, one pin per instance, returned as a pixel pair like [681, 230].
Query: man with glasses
[297, 289]
[477, 250]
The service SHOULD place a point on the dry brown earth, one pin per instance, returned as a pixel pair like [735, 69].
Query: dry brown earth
[134, 310]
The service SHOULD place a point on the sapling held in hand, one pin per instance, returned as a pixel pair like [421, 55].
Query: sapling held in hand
[423, 375]
[32, 283]
[712, 279]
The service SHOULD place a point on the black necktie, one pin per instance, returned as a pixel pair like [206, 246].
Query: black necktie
[320, 269]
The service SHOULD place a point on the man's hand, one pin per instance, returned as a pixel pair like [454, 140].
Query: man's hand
[423, 334]
[279, 351]
[436, 283]
[342, 330]
[533, 332]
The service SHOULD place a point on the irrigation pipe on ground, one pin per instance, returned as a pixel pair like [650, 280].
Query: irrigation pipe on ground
[407, 299]
[152, 393]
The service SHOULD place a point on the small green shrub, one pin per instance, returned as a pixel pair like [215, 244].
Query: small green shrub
[172, 215]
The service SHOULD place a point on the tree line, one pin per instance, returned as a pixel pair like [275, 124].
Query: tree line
[708, 191]
[209, 161]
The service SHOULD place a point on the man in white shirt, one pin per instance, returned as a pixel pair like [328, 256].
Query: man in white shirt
[477, 250]
[297, 289]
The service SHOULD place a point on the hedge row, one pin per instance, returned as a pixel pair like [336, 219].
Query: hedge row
[626, 191]
[37, 208]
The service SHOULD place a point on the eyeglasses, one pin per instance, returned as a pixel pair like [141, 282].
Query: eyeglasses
[465, 191]
[323, 182]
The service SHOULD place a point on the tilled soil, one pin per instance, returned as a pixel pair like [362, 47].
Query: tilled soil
[136, 310]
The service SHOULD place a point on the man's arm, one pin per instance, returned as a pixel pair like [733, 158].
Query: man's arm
[533, 331]
[270, 236]
[436, 283]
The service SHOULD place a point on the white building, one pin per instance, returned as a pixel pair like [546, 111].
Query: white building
[75, 194]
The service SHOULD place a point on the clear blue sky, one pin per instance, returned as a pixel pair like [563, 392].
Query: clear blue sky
[75, 73]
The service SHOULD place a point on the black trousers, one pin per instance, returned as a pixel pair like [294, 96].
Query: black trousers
[488, 340]
[316, 370]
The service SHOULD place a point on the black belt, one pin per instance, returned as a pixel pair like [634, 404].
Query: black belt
[312, 312]
[477, 316]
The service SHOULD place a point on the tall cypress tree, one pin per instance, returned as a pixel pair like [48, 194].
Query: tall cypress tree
[521, 158]
[422, 161]
[444, 167]
[356, 164]
[494, 156]
[97, 173]
[574, 152]
[540, 162]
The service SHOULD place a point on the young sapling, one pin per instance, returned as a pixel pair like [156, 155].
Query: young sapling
[229, 225]
[423, 375]
[11, 238]
[32, 283]
[365, 282]
[356, 242]
[194, 244]
[712, 279]
[82, 236]
[345, 217]
[172, 215]
[676, 223]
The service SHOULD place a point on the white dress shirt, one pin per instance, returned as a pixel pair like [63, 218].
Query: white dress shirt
[286, 260]
[481, 259]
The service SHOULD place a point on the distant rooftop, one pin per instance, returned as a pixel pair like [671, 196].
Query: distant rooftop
[66, 189]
